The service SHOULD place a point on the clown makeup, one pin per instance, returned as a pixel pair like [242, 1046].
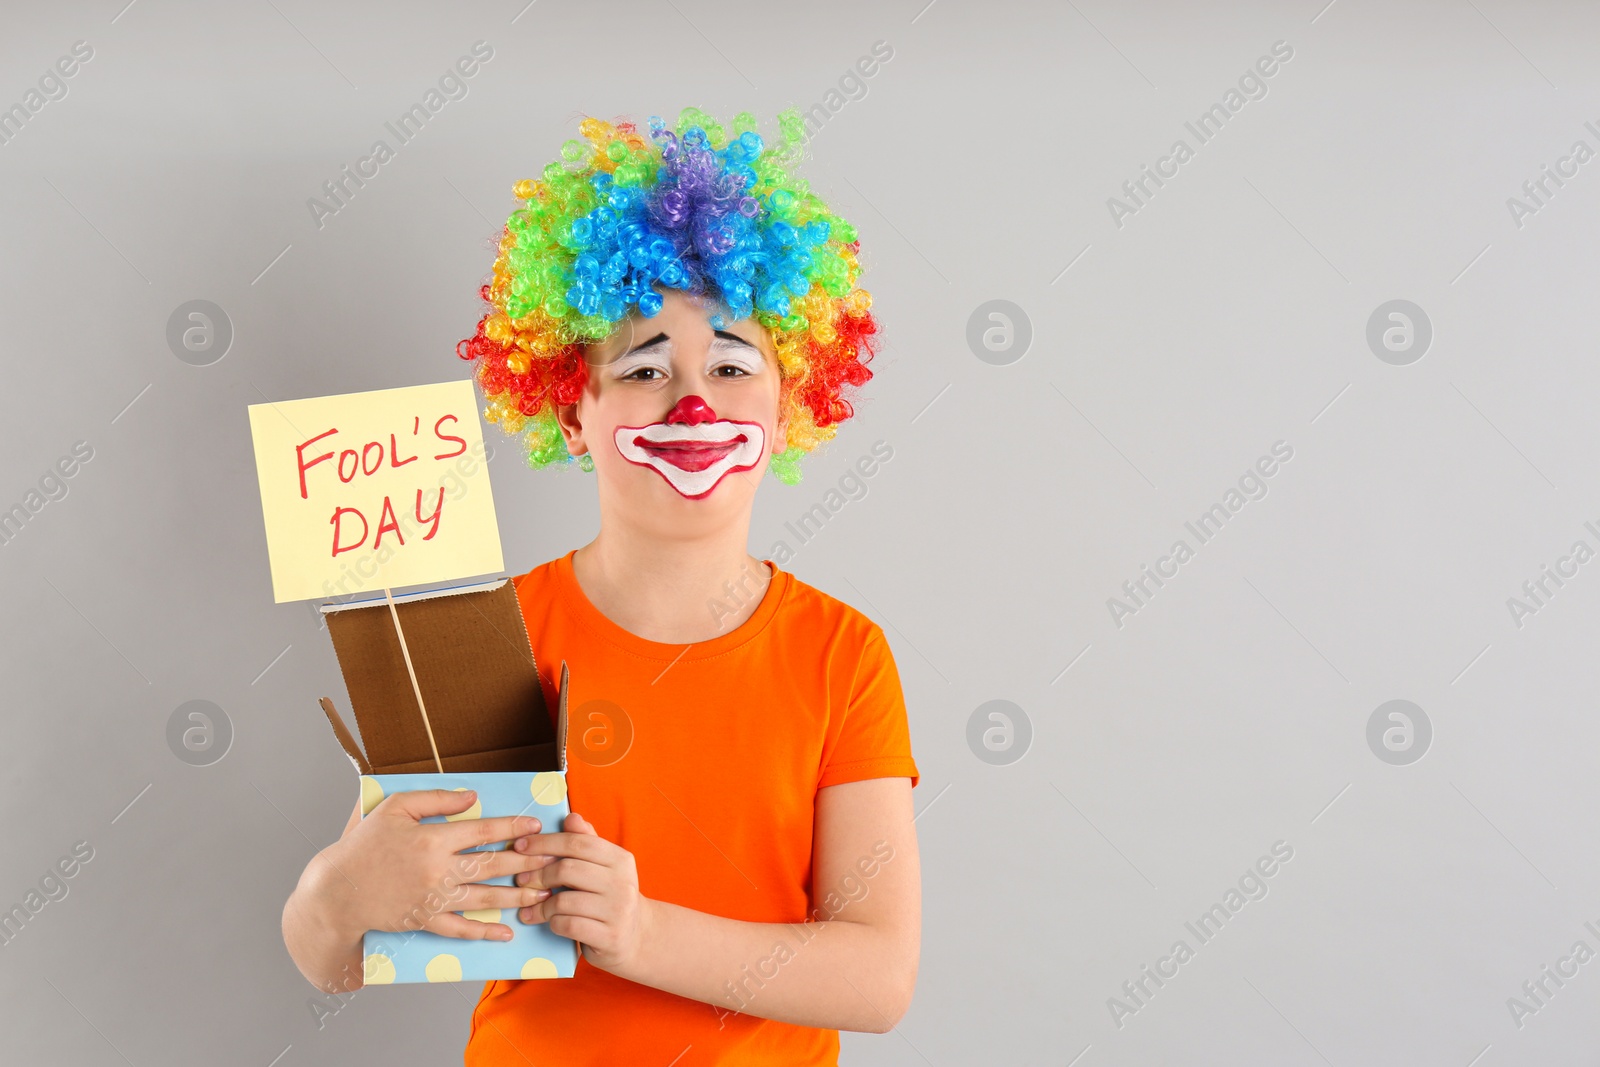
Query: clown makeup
[691, 447]
[681, 395]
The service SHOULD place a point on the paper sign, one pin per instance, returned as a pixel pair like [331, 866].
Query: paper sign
[368, 490]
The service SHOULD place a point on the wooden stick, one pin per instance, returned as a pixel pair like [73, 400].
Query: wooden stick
[415, 688]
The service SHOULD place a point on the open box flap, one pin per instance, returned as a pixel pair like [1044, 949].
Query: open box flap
[346, 741]
[475, 666]
[561, 719]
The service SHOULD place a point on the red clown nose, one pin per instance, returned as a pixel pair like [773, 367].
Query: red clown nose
[690, 411]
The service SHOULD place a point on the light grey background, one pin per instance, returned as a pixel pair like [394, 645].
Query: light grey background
[1227, 314]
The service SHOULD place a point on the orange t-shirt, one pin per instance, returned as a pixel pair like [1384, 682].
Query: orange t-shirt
[714, 796]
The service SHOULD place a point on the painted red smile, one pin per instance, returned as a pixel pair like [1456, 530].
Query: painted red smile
[690, 455]
[693, 453]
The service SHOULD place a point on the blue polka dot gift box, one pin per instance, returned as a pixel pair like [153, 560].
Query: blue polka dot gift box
[486, 723]
[423, 956]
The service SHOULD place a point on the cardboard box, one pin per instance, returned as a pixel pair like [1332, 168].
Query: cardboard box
[475, 667]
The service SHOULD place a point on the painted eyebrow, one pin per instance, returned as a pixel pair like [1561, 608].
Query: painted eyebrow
[656, 340]
[736, 339]
[661, 338]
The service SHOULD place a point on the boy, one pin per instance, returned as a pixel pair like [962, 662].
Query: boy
[743, 877]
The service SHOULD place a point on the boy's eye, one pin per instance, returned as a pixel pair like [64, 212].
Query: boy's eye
[738, 371]
[634, 375]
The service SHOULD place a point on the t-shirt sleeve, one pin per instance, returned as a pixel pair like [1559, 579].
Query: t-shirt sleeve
[873, 738]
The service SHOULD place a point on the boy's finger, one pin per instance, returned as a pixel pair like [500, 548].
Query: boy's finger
[578, 824]
[476, 897]
[449, 924]
[420, 803]
[534, 863]
[573, 874]
[568, 902]
[499, 863]
[587, 846]
[470, 833]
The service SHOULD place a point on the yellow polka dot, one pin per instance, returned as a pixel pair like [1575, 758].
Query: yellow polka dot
[443, 968]
[474, 812]
[371, 793]
[549, 788]
[483, 915]
[538, 967]
[379, 969]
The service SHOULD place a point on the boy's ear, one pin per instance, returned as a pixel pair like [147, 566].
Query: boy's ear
[571, 428]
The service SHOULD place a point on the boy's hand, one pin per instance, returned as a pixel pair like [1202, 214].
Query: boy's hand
[393, 872]
[599, 905]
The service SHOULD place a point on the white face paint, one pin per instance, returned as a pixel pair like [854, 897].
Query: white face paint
[693, 458]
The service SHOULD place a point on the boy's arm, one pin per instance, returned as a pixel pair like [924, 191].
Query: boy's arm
[332, 963]
[390, 871]
[853, 969]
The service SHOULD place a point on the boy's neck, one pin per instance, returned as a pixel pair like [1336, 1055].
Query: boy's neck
[676, 592]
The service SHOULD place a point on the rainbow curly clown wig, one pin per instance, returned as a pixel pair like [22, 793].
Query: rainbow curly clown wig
[698, 208]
